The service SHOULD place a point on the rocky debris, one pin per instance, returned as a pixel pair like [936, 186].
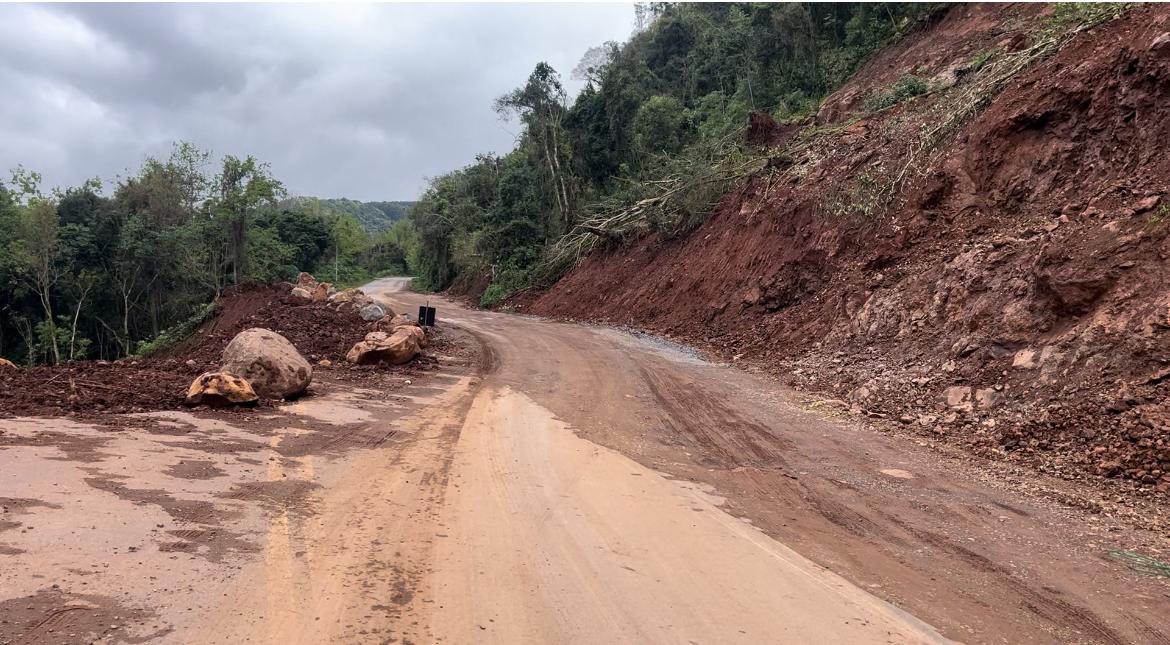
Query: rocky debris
[269, 362]
[322, 332]
[321, 292]
[301, 292]
[219, 389]
[396, 348]
[1005, 268]
[306, 281]
[5, 363]
[372, 312]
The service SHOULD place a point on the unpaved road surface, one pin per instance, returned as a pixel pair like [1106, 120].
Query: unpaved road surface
[555, 483]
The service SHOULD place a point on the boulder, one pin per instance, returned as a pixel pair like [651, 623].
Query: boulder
[372, 312]
[5, 363]
[396, 348]
[269, 362]
[321, 292]
[345, 295]
[306, 281]
[301, 292]
[399, 321]
[219, 389]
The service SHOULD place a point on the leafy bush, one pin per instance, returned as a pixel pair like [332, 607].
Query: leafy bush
[177, 334]
[903, 89]
[504, 285]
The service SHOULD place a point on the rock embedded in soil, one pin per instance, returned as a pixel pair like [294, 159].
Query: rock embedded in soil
[269, 362]
[372, 312]
[5, 363]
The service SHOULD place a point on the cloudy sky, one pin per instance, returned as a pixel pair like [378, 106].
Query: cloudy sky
[344, 101]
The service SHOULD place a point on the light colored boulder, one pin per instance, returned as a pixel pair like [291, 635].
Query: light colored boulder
[302, 293]
[219, 389]
[269, 362]
[396, 348]
[372, 312]
[321, 292]
[959, 398]
[1025, 359]
[5, 363]
[399, 321]
[306, 281]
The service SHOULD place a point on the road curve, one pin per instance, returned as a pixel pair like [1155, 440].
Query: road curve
[584, 506]
[551, 538]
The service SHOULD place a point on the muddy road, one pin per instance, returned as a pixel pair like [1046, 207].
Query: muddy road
[549, 483]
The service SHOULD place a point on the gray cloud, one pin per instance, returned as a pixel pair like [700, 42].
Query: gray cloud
[355, 101]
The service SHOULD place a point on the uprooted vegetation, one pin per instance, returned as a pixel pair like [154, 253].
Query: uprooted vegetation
[652, 141]
[982, 264]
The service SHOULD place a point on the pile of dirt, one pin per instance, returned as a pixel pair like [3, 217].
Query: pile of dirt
[319, 330]
[1002, 287]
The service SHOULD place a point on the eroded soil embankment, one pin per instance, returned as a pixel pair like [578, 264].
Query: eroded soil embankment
[1010, 299]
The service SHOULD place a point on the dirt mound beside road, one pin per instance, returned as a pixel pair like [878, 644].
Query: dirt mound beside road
[1020, 266]
[319, 330]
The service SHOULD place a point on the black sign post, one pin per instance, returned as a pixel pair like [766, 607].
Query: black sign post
[426, 316]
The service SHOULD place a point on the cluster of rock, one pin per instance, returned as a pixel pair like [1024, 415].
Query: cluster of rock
[256, 363]
[308, 288]
[260, 363]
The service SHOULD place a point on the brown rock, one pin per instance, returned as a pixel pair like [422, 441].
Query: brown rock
[219, 389]
[5, 363]
[269, 362]
[958, 397]
[306, 281]
[1147, 204]
[300, 292]
[379, 347]
[321, 292]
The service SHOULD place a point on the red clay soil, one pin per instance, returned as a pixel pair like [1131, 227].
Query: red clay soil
[1012, 297]
[319, 330]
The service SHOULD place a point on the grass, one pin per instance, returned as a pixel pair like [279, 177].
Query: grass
[1143, 564]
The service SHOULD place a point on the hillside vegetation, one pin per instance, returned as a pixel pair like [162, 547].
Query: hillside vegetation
[90, 274]
[374, 217]
[667, 105]
[968, 240]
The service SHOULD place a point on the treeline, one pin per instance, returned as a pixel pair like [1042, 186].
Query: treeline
[86, 274]
[667, 103]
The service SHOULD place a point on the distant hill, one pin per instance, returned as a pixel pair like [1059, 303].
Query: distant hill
[374, 217]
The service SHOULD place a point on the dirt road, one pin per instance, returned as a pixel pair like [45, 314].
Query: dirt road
[556, 483]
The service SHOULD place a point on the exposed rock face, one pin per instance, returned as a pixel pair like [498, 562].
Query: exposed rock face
[4, 362]
[372, 312]
[269, 362]
[219, 389]
[396, 348]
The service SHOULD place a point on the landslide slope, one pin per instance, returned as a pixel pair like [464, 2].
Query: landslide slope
[985, 263]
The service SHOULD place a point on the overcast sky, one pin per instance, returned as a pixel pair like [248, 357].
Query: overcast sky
[344, 101]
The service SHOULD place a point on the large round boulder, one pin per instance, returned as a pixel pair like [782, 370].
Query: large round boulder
[269, 362]
[219, 389]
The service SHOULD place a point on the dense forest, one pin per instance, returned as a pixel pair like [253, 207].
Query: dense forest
[667, 105]
[374, 217]
[85, 274]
